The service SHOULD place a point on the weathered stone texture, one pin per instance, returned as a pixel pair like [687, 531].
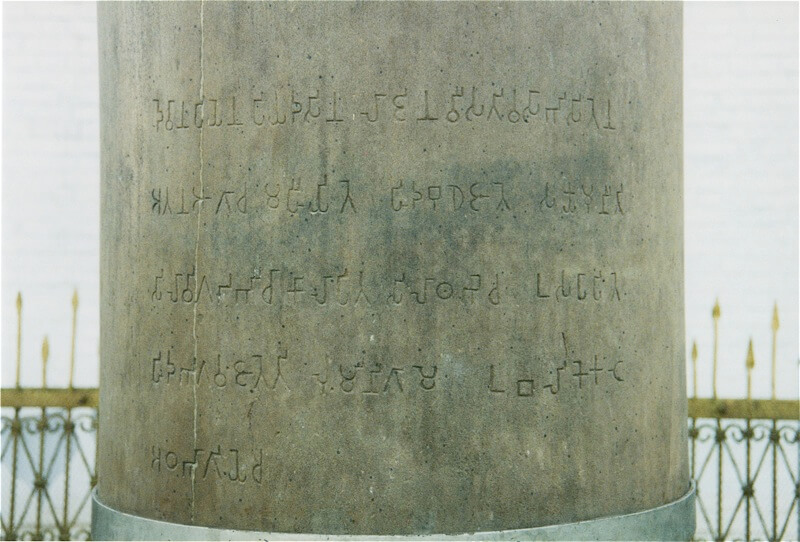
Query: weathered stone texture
[391, 267]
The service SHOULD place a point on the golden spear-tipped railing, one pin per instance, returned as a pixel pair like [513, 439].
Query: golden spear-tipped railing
[43, 398]
[749, 408]
[777, 437]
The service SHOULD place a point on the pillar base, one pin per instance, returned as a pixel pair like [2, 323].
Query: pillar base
[673, 521]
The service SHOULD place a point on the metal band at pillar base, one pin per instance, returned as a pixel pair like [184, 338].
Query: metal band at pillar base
[673, 521]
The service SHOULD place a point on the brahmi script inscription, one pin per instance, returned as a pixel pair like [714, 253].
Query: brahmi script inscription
[339, 288]
[289, 106]
[298, 196]
[369, 265]
[264, 373]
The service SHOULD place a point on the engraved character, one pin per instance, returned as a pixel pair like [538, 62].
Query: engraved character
[220, 379]
[334, 110]
[212, 456]
[427, 381]
[613, 371]
[525, 387]
[529, 111]
[235, 474]
[376, 110]
[348, 376]
[503, 204]
[258, 116]
[597, 291]
[427, 115]
[539, 292]
[458, 196]
[453, 114]
[514, 115]
[395, 372]
[155, 464]
[594, 117]
[374, 386]
[580, 373]
[279, 374]
[293, 206]
[217, 115]
[497, 113]
[582, 292]
[156, 295]
[492, 385]
[277, 117]
[608, 125]
[159, 114]
[347, 197]
[361, 293]
[475, 196]
[198, 200]
[296, 107]
[241, 373]
[570, 206]
[316, 206]
[547, 201]
[587, 196]
[310, 109]
[494, 293]
[472, 110]
[399, 102]
[576, 108]
[473, 286]
[257, 466]
[234, 121]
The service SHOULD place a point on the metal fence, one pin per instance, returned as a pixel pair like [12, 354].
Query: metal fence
[49, 438]
[744, 457]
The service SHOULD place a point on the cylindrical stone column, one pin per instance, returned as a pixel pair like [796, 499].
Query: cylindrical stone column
[392, 268]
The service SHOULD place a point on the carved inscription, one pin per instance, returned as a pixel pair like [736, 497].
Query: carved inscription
[475, 197]
[569, 374]
[577, 197]
[341, 287]
[374, 378]
[338, 287]
[589, 286]
[335, 196]
[287, 106]
[216, 464]
[292, 196]
[257, 372]
[298, 196]
[277, 373]
[264, 373]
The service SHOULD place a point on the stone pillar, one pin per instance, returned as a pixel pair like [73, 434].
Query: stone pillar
[391, 269]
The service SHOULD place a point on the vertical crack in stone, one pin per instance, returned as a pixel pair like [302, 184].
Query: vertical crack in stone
[196, 263]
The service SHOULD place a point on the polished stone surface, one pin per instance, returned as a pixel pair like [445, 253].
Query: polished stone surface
[391, 268]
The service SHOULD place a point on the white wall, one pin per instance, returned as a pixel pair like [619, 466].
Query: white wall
[50, 190]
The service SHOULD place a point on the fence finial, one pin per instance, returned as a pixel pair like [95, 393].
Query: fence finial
[776, 323]
[750, 362]
[694, 367]
[19, 334]
[45, 357]
[74, 329]
[715, 314]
